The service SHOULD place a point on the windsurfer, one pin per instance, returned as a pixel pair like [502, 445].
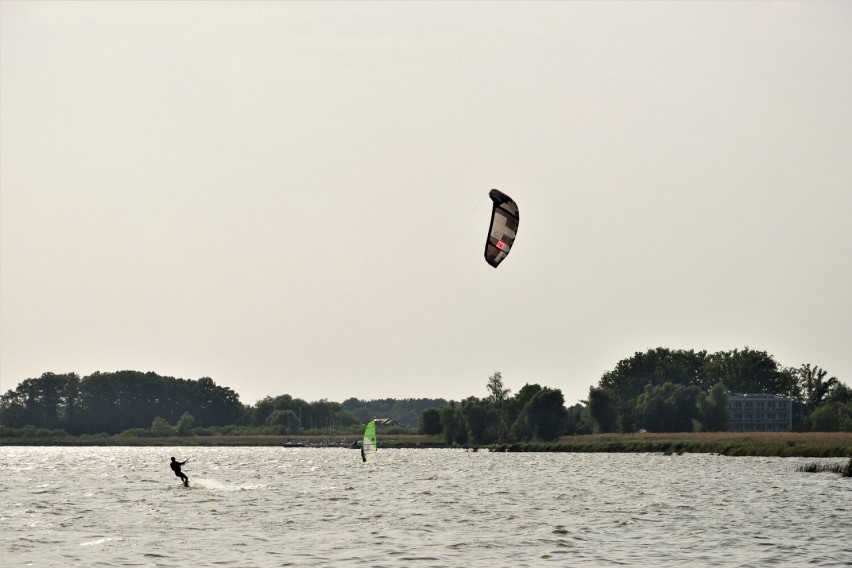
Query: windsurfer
[363, 456]
[175, 465]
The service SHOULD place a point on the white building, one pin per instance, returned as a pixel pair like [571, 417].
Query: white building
[760, 413]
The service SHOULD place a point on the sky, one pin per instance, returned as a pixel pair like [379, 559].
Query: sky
[292, 198]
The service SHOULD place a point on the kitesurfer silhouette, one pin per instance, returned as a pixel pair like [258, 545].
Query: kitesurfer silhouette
[175, 465]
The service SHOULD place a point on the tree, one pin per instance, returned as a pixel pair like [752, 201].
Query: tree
[497, 398]
[184, 425]
[284, 421]
[452, 423]
[655, 367]
[324, 414]
[161, 427]
[545, 414]
[668, 407]
[482, 420]
[839, 393]
[601, 406]
[577, 421]
[715, 412]
[813, 386]
[407, 411]
[751, 371]
[497, 394]
[827, 418]
[653, 412]
[430, 422]
[214, 404]
[512, 408]
[652, 368]
[261, 410]
[49, 401]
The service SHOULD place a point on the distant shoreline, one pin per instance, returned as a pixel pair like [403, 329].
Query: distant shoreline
[778, 444]
[769, 444]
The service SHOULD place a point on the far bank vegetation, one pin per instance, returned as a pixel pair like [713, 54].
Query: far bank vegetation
[658, 391]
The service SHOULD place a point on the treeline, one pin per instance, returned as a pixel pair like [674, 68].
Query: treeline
[287, 415]
[664, 390]
[406, 411]
[114, 402]
[660, 390]
[147, 404]
[535, 412]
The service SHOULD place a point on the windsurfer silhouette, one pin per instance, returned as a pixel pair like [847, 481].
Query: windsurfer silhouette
[363, 456]
[175, 465]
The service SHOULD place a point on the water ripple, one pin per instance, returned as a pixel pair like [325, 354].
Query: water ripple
[323, 507]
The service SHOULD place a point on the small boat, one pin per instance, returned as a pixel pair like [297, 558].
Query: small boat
[290, 444]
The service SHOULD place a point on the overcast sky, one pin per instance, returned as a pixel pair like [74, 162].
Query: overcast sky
[293, 197]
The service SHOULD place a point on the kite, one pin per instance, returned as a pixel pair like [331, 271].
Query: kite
[504, 227]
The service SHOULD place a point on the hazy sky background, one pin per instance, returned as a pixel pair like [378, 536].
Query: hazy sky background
[293, 197]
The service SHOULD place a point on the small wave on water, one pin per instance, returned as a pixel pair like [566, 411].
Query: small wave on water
[416, 508]
[216, 485]
[100, 541]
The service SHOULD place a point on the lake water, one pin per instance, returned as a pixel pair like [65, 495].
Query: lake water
[323, 507]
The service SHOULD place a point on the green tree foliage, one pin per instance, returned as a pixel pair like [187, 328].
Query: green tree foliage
[659, 390]
[497, 393]
[535, 412]
[825, 419]
[261, 410]
[161, 427]
[497, 397]
[813, 385]
[284, 422]
[602, 408]
[514, 406]
[544, 415]
[452, 424]
[115, 402]
[668, 407]
[324, 414]
[304, 411]
[430, 422]
[482, 420]
[664, 389]
[839, 393]
[185, 424]
[655, 367]
[751, 371]
[49, 401]
[714, 409]
[405, 411]
[578, 421]
[832, 417]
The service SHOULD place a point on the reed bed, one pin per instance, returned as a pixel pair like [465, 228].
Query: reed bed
[844, 470]
[781, 444]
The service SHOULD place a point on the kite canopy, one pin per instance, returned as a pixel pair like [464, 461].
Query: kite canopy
[504, 226]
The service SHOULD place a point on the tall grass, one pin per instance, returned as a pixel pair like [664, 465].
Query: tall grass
[844, 470]
[781, 444]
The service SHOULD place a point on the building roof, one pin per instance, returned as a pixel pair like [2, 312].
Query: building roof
[759, 395]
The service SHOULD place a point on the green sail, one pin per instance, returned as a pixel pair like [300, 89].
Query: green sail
[369, 444]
